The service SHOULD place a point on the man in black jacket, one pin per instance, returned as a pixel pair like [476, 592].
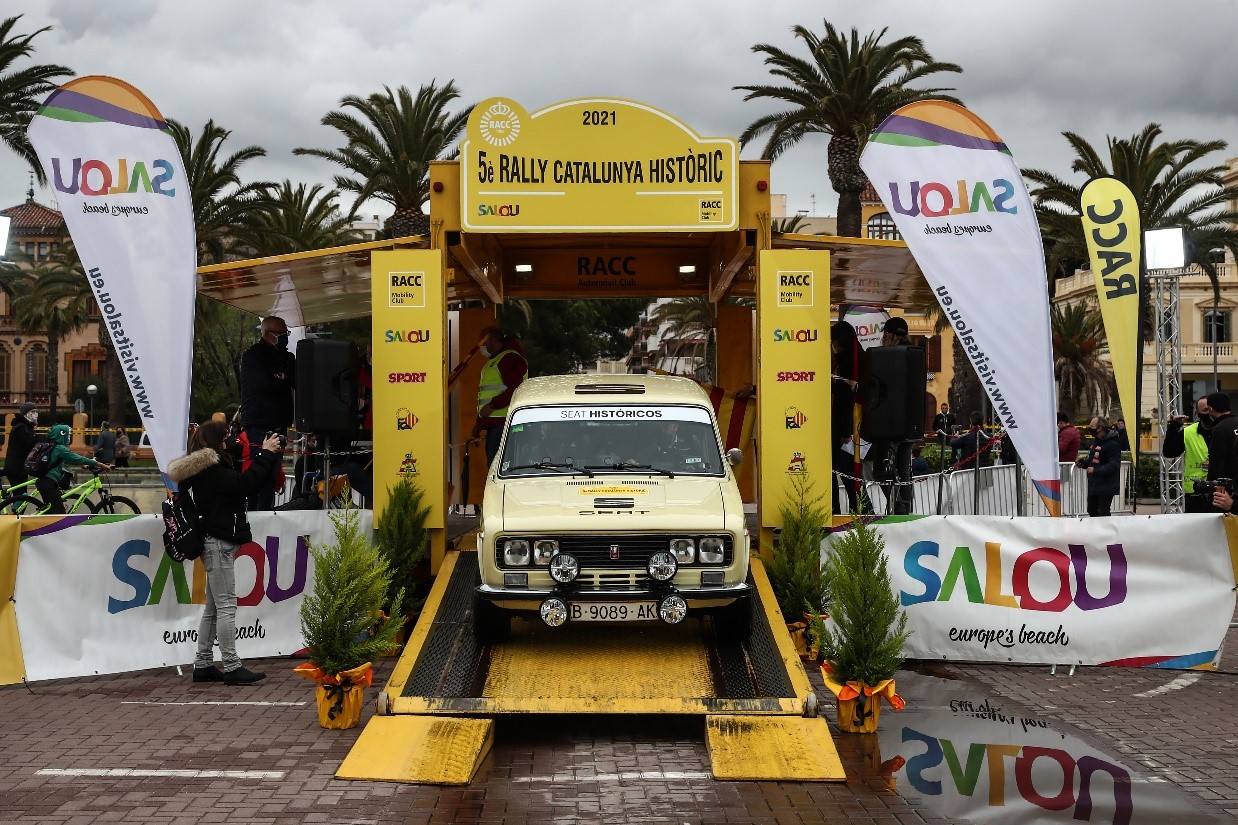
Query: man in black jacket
[1222, 462]
[1104, 467]
[21, 440]
[268, 378]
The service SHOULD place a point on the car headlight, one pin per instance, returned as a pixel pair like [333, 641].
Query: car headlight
[712, 550]
[684, 550]
[544, 550]
[564, 568]
[662, 567]
[516, 552]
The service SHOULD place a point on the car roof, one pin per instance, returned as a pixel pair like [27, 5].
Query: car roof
[609, 389]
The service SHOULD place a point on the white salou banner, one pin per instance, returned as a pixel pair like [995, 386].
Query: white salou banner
[958, 199]
[1147, 592]
[121, 185]
[96, 598]
[972, 758]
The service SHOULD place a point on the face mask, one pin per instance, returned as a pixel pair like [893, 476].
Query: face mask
[281, 341]
[33, 416]
[486, 351]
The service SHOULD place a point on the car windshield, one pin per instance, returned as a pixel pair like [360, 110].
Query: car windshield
[657, 439]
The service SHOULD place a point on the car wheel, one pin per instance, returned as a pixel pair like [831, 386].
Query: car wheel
[735, 620]
[490, 624]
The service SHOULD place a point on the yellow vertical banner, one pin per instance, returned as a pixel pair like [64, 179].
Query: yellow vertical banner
[409, 297]
[793, 378]
[1111, 228]
[12, 664]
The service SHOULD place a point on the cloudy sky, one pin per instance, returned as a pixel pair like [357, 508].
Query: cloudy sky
[268, 71]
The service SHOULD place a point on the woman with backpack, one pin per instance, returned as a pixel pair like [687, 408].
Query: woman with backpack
[50, 483]
[219, 491]
[122, 447]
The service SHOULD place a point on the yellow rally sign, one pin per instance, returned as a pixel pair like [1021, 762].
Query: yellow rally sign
[793, 389]
[410, 400]
[1112, 230]
[590, 165]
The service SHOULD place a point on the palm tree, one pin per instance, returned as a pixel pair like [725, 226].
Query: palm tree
[298, 219]
[1167, 189]
[52, 301]
[690, 313]
[222, 205]
[390, 142]
[844, 88]
[21, 90]
[790, 225]
[1084, 379]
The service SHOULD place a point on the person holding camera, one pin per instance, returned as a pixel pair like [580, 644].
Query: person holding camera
[1103, 463]
[1222, 463]
[1191, 440]
[1222, 495]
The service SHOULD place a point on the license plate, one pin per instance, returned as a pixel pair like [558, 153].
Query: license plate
[613, 611]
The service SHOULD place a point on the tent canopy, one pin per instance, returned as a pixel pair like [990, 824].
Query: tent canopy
[334, 284]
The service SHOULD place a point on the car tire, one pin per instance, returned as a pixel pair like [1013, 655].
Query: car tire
[735, 620]
[490, 624]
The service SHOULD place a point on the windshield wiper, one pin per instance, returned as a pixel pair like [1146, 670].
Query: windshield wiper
[550, 465]
[632, 466]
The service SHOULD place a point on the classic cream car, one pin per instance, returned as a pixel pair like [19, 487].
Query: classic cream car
[611, 500]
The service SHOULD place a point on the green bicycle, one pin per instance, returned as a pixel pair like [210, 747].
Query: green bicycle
[21, 501]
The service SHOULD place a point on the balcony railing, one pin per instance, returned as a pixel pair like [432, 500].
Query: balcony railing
[1205, 350]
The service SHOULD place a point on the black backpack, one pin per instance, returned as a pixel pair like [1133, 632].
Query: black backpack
[182, 535]
[39, 459]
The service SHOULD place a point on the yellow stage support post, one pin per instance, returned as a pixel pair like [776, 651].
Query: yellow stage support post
[409, 305]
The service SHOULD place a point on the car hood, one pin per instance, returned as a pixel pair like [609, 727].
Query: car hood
[640, 503]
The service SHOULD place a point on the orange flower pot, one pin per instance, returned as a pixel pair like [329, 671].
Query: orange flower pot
[859, 715]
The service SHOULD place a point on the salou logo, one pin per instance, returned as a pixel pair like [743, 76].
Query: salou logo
[406, 336]
[96, 177]
[1051, 593]
[501, 210]
[150, 591]
[803, 336]
[936, 200]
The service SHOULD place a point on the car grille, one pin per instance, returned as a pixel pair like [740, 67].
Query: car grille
[594, 552]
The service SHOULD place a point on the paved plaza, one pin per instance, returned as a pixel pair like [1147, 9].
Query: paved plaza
[153, 747]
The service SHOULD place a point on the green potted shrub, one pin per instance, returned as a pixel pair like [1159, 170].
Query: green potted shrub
[343, 621]
[794, 568]
[862, 644]
[402, 538]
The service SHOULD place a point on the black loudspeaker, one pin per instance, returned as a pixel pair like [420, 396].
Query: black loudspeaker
[326, 386]
[892, 381]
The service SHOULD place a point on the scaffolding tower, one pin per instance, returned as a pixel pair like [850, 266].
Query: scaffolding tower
[1164, 283]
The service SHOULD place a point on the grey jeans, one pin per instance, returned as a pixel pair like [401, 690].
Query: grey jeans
[219, 617]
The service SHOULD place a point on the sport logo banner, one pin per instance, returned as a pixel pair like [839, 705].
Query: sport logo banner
[958, 199]
[120, 181]
[1112, 230]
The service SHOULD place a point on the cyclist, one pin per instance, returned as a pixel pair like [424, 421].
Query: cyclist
[57, 477]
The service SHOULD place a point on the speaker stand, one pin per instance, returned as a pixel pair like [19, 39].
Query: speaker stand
[326, 472]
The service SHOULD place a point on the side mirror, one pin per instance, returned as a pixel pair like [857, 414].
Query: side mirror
[734, 456]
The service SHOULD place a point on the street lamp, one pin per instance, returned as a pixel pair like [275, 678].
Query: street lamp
[91, 390]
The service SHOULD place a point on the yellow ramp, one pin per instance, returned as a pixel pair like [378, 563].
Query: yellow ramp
[426, 750]
[789, 748]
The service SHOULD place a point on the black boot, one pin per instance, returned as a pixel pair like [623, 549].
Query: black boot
[242, 676]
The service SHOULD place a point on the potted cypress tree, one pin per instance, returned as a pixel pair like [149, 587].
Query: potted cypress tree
[795, 570]
[862, 643]
[343, 622]
[401, 537]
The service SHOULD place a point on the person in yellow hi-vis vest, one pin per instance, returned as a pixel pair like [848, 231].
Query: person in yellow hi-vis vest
[1191, 440]
[505, 370]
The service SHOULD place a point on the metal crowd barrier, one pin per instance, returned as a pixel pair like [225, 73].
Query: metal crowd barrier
[998, 493]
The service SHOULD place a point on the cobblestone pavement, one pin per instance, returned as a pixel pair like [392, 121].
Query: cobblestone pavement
[74, 751]
[1180, 726]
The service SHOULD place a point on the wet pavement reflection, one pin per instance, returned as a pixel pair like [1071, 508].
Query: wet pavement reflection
[975, 759]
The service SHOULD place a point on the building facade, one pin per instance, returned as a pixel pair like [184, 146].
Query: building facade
[35, 232]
